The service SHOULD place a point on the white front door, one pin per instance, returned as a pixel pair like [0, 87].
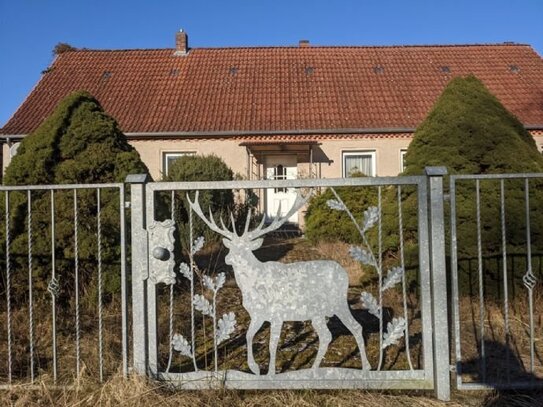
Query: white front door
[281, 167]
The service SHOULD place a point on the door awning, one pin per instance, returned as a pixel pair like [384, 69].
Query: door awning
[260, 148]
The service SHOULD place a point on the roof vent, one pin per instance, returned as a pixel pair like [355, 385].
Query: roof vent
[181, 43]
[514, 68]
[378, 69]
[233, 70]
[303, 43]
[106, 75]
[445, 69]
[174, 72]
[309, 70]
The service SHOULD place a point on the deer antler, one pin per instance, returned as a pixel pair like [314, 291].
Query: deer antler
[278, 221]
[195, 205]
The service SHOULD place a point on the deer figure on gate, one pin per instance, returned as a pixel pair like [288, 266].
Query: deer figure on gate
[278, 292]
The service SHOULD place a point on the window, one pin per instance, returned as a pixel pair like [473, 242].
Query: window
[514, 68]
[170, 157]
[358, 162]
[280, 173]
[402, 160]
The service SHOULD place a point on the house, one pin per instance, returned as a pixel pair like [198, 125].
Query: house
[280, 112]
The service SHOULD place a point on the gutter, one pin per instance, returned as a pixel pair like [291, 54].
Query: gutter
[240, 133]
[297, 132]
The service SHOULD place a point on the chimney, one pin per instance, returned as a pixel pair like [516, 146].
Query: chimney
[181, 43]
[303, 43]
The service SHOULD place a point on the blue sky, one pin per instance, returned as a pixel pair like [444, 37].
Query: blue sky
[29, 29]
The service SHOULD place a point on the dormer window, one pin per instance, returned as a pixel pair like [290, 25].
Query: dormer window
[514, 68]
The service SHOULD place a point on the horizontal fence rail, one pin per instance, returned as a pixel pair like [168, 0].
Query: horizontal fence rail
[64, 283]
[496, 259]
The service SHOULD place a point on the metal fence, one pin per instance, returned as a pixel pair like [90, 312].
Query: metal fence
[496, 264]
[208, 304]
[64, 260]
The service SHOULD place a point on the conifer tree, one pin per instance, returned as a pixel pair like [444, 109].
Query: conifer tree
[77, 144]
[470, 132]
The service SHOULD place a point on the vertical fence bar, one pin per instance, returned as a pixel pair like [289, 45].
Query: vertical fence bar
[8, 288]
[529, 278]
[53, 286]
[139, 271]
[380, 265]
[170, 315]
[192, 333]
[124, 300]
[439, 283]
[424, 277]
[404, 288]
[152, 315]
[30, 287]
[481, 282]
[100, 283]
[505, 288]
[77, 310]
[454, 283]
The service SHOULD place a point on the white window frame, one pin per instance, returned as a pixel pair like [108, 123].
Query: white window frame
[402, 159]
[351, 153]
[172, 154]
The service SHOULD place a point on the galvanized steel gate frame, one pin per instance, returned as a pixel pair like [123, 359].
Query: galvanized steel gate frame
[436, 370]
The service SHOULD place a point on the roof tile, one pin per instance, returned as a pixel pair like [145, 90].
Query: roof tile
[272, 89]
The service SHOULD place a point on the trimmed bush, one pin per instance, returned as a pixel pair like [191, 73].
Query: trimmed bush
[220, 202]
[470, 132]
[77, 143]
[329, 225]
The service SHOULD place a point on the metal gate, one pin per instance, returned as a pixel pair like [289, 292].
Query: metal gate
[198, 326]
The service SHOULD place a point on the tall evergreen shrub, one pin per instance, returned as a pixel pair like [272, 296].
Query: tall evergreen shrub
[77, 143]
[470, 132]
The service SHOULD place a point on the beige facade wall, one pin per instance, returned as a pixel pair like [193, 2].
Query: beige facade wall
[152, 152]
[387, 154]
[539, 142]
[327, 156]
[5, 157]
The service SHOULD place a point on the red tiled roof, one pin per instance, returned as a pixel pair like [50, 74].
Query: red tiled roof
[282, 88]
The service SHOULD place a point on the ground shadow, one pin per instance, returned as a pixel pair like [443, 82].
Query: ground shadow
[502, 370]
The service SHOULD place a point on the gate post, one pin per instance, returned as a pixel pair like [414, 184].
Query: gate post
[139, 271]
[439, 283]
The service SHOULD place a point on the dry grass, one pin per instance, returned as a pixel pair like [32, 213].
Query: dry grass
[137, 391]
[502, 358]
